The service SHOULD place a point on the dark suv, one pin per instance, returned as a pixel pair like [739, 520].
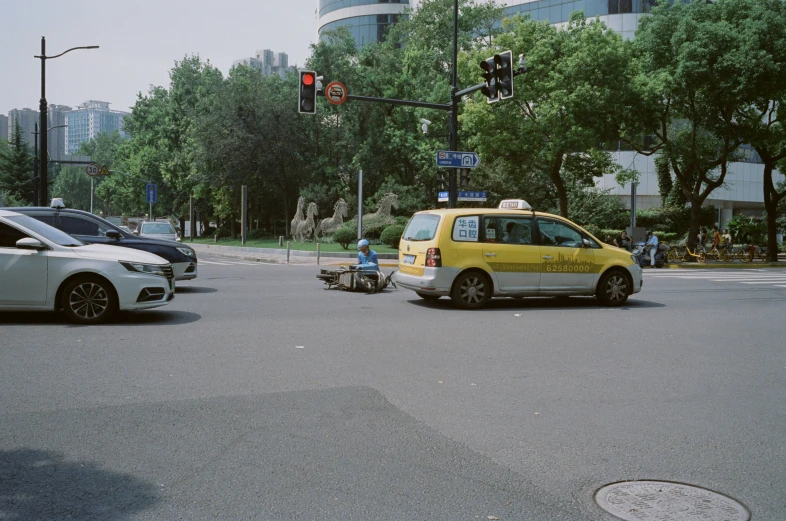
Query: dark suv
[90, 228]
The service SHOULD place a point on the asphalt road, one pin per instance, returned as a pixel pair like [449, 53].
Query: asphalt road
[257, 394]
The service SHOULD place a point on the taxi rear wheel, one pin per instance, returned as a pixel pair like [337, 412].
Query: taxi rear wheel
[471, 290]
[614, 288]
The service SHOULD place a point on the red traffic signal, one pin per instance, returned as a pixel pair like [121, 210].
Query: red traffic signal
[307, 95]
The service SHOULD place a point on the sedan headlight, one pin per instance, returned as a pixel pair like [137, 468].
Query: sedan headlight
[188, 252]
[150, 269]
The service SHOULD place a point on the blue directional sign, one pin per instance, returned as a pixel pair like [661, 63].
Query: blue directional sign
[151, 190]
[449, 159]
[471, 196]
[442, 197]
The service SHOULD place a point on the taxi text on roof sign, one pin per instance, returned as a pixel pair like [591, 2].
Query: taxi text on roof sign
[514, 204]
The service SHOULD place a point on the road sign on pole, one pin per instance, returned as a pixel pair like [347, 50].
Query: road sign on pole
[92, 169]
[449, 159]
[104, 170]
[442, 197]
[336, 93]
[151, 190]
[471, 196]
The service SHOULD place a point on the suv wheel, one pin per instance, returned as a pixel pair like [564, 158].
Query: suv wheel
[471, 290]
[613, 289]
[89, 300]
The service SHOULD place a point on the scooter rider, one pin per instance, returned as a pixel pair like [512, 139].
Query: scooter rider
[367, 258]
[652, 246]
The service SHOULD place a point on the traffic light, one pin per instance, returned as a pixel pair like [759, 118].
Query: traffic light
[504, 74]
[307, 99]
[443, 183]
[489, 76]
[464, 177]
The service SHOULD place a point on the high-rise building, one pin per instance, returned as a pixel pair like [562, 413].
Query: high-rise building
[27, 118]
[56, 139]
[88, 120]
[3, 127]
[367, 20]
[267, 63]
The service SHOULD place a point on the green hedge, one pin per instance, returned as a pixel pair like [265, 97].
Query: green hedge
[392, 235]
[256, 234]
[346, 236]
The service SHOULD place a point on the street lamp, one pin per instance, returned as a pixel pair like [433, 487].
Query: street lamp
[43, 179]
[35, 163]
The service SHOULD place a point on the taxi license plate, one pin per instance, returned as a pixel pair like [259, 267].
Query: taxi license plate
[409, 259]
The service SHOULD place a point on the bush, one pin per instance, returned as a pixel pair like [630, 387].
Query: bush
[256, 234]
[391, 235]
[221, 233]
[345, 236]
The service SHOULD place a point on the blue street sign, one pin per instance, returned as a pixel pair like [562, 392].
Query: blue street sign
[471, 196]
[442, 197]
[449, 159]
[152, 192]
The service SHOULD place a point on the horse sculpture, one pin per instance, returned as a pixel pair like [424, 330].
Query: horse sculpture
[382, 216]
[330, 224]
[298, 218]
[306, 227]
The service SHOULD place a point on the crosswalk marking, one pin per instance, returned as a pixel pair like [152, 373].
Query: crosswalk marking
[754, 277]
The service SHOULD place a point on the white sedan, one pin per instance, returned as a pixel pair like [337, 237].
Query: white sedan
[44, 269]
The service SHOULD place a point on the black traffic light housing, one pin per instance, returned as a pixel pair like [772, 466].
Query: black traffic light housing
[307, 98]
[464, 177]
[504, 74]
[489, 76]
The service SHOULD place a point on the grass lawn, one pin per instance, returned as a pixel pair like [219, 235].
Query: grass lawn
[302, 246]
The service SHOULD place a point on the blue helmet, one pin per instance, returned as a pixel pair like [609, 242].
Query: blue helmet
[362, 243]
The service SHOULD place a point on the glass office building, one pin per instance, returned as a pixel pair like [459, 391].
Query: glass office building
[88, 120]
[367, 20]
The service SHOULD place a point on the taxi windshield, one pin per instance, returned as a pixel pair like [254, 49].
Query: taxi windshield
[422, 227]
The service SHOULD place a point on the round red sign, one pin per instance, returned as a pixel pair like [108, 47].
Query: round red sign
[336, 93]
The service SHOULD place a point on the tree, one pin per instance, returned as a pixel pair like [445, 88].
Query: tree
[568, 103]
[685, 97]
[16, 170]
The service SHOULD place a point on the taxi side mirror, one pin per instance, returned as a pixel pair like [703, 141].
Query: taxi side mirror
[585, 243]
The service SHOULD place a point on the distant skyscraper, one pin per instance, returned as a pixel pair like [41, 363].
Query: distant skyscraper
[268, 62]
[27, 118]
[3, 127]
[367, 20]
[88, 120]
[56, 139]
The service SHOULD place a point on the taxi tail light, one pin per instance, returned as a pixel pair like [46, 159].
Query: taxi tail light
[433, 258]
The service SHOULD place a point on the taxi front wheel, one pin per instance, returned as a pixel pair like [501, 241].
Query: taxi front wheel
[471, 290]
[613, 289]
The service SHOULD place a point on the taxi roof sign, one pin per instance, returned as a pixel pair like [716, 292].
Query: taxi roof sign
[514, 204]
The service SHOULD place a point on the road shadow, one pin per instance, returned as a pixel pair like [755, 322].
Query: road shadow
[39, 484]
[539, 303]
[194, 289]
[122, 318]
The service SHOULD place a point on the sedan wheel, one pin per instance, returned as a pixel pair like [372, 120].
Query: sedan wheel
[89, 300]
[471, 290]
[613, 289]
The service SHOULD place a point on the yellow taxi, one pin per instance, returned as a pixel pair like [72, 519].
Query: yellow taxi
[474, 254]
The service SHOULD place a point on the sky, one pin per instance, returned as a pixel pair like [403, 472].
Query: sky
[139, 42]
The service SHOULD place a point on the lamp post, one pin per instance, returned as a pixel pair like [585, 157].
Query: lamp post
[36, 174]
[43, 178]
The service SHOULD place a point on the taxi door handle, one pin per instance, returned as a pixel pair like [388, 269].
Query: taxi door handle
[548, 257]
[490, 254]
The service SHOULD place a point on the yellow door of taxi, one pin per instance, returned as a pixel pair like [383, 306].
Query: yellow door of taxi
[512, 258]
[566, 265]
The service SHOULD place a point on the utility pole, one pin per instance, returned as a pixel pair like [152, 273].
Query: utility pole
[452, 190]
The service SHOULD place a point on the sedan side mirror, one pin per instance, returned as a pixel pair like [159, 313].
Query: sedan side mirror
[29, 243]
[114, 234]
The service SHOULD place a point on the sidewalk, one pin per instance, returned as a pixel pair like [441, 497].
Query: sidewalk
[279, 256]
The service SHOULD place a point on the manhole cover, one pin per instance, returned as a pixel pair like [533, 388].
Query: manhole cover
[667, 501]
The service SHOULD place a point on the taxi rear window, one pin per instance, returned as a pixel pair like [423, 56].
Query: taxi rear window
[422, 227]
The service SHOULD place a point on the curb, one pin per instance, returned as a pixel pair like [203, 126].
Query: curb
[277, 256]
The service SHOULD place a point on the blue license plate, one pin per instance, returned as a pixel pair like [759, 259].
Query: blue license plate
[409, 259]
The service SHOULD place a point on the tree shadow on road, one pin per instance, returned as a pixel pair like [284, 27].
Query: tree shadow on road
[38, 484]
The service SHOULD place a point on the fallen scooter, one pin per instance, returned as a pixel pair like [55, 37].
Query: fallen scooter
[355, 278]
[643, 254]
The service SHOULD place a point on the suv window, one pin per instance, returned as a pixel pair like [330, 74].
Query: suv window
[555, 233]
[9, 235]
[422, 227]
[81, 225]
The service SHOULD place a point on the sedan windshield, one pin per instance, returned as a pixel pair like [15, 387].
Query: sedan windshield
[158, 228]
[48, 232]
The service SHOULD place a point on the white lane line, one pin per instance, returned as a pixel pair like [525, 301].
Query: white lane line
[768, 282]
[774, 279]
[216, 263]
